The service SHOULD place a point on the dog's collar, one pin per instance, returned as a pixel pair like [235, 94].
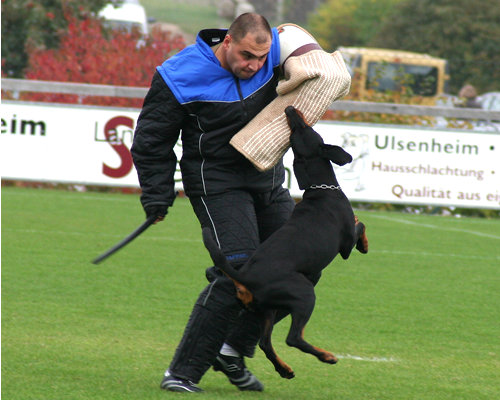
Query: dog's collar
[325, 186]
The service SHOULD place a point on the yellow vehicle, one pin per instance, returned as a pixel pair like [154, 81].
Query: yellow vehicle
[388, 70]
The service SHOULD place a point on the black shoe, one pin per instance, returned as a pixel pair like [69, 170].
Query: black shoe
[234, 368]
[174, 384]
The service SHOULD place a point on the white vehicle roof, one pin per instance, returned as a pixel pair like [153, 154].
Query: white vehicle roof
[128, 15]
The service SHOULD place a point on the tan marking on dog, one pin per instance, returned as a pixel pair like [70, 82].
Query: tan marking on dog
[362, 243]
[243, 293]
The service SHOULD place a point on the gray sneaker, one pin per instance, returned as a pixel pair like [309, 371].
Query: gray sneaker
[234, 368]
[175, 384]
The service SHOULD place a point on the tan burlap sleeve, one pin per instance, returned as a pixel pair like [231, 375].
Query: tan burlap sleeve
[312, 83]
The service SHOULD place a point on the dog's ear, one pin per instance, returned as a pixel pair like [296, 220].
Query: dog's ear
[335, 154]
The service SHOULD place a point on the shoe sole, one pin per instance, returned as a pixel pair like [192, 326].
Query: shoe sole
[255, 386]
[180, 389]
[179, 386]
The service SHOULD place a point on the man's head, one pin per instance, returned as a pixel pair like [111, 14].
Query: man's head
[246, 45]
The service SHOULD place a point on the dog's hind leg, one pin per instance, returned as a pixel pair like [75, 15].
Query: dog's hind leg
[266, 345]
[301, 312]
[322, 355]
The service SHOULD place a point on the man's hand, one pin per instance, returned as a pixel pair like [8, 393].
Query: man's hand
[157, 210]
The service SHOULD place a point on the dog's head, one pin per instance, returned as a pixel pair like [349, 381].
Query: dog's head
[307, 146]
[307, 143]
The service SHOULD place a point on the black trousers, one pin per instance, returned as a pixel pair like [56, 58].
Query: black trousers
[240, 221]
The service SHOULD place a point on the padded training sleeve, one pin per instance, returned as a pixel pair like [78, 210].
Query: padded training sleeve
[313, 80]
[294, 41]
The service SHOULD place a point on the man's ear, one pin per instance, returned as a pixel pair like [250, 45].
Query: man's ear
[335, 154]
[227, 40]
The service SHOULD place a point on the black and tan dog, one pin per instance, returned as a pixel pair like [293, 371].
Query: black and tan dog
[281, 272]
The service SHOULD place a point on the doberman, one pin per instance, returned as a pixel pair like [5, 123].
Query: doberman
[282, 272]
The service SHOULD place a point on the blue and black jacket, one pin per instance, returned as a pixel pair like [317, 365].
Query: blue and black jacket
[191, 93]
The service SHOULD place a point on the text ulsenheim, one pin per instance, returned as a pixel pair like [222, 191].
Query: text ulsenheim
[387, 142]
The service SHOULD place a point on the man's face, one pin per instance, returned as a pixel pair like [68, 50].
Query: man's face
[246, 57]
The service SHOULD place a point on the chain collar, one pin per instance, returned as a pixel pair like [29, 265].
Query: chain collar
[325, 186]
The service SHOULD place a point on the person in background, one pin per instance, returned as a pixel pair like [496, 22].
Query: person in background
[468, 97]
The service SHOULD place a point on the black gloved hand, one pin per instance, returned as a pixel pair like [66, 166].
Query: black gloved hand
[156, 210]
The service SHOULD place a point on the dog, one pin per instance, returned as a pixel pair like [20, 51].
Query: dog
[283, 270]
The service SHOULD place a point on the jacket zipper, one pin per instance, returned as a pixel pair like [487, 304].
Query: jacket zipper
[243, 106]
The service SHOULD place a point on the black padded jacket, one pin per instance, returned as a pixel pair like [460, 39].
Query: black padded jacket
[209, 164]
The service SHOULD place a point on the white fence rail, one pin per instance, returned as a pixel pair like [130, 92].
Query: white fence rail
[83, 89]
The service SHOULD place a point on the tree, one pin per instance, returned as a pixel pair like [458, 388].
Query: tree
[37, 24]
[298, 11]
[349, 22]
[89, 54]
[286, 11]
[465, 33]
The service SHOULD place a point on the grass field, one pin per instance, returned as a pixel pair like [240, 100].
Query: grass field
[415, 318]
[191, 16]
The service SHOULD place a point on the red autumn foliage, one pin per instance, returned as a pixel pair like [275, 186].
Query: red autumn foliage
[89, 54]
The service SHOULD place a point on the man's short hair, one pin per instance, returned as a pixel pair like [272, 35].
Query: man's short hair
[250, 22]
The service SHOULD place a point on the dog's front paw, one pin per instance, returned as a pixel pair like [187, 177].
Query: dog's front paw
[287, 373]
[362, 242]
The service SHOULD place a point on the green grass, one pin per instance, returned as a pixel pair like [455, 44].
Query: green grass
[190, 16]
[421, 309]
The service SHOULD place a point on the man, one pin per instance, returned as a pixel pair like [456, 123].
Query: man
[209, 92]
[468, 97]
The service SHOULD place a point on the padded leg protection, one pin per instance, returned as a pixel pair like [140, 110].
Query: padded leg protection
[245, 334]
[216, 308]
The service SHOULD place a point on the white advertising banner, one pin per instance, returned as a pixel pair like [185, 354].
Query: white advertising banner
[393, 164]
[86, 145]
[412, 165]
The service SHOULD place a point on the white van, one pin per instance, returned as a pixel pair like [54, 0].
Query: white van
[129, 15]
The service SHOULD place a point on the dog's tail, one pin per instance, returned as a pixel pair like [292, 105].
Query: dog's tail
[219, 259]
